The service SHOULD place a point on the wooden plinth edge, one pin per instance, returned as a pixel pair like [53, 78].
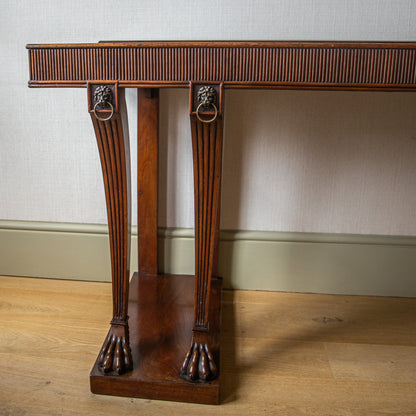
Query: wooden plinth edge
[161, 313]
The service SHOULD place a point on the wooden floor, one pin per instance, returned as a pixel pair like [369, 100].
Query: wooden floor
[282, 354]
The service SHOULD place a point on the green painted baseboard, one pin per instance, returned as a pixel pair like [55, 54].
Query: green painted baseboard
[295, 262]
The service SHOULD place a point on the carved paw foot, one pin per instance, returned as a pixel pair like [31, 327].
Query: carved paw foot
[115, 354]
[199, 365]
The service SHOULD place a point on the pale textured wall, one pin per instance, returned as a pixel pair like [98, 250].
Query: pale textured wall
[294, 161]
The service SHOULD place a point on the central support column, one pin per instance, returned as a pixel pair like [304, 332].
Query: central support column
[147, 178]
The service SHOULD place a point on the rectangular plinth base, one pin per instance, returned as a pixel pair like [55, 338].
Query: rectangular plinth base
[161, 314]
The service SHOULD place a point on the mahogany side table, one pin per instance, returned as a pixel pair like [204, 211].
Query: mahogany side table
[164, 337]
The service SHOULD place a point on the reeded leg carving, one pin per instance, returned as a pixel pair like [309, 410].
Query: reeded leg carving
[206, 126]
[109, 119]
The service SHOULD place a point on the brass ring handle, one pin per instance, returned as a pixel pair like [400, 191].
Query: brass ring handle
[100, 118]
[211, 119]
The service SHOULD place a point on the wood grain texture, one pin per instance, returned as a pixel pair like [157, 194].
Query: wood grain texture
[48, 343]
[113, 145]
[322, 65]
[207, 145]
[147, 178]
[161, 320]
[199, 363]
[387, 363]
[355, 65]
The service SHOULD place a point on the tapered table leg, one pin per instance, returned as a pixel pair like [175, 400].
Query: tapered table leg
[109, 118]
[207, 131]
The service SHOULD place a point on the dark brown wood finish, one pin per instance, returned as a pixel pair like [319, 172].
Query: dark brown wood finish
[147, 178]
[167, 311]
[161, 320]
[207, 144]
[113, 145]
[267, 64]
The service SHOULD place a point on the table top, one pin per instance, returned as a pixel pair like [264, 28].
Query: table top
[386, 66]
